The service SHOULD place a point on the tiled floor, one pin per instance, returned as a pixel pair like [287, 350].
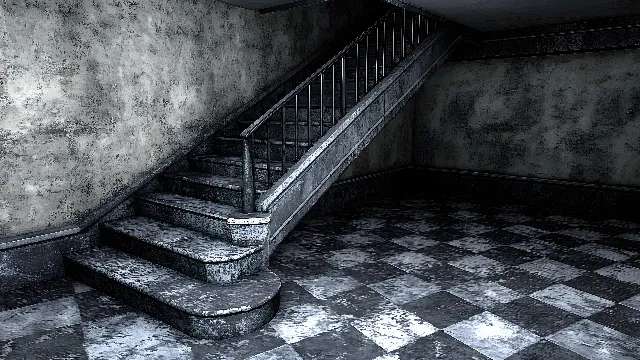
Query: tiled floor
[417, 279]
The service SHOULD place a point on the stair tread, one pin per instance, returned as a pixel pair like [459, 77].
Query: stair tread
[259, 141]
[192, 244]
[204, 207]
[180, 291]
[237, 161]
[226, 182]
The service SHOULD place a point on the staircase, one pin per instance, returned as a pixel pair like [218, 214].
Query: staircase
[195, 256]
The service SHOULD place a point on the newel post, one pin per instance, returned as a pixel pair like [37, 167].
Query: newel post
[248, 184]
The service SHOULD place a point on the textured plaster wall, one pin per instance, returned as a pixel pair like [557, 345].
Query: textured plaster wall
[390, 149]
[572, 117]
[96, 94]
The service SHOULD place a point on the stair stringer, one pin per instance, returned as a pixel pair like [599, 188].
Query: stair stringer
[291, 197]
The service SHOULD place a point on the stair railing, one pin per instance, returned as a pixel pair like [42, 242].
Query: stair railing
[381, 55]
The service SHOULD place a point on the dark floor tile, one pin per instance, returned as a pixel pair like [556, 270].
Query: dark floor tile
[61, 343]
[446, 234]
[622, 244]
[521, 281]
[370, 273]
[391, 232]
[344, 343]
[34, 294]
[535, 316]
[547, 225]
[504, 237]
[562, 240]
[444, 275]
[290, 269]
[438, 346]
[446, 252]
[545, 350]
[359, 302]
[95, 305]
[621, 318]
[510, 256]
[604, 287]
[579, 259]
[292, 294]
[241, 347]
[442, 309]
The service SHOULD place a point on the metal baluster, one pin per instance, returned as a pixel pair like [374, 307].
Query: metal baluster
[402, 34]
[413, 39]
[333, 95]
[419, 26]
[357, 68]
[377, 52]
[296, 129]
[343, 87]
[321, 104]
[393, 40]
[384, 45]
[366, 65]
[309, 118]
[248, 184]
[268, 123]
[284, 139]
[427, 25]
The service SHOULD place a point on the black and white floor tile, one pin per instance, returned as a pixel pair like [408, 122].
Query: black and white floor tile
[397, 279]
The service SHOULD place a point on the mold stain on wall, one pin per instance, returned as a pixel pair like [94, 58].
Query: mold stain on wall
[568, 117]
[97, 94]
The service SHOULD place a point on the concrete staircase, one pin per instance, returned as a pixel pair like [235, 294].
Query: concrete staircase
[190, 257]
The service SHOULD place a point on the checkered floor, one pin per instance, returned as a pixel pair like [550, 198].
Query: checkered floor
[414, 279]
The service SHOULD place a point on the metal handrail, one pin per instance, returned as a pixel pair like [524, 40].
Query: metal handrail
[256, 124]
[406, 34]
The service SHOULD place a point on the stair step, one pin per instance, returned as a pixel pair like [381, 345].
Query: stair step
[223, 221]
[198, 308]
[232, 146]
[190, 252]
[222, 189]
[232, 166]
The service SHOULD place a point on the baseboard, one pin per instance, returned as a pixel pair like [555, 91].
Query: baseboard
[353, 192]
[571, 197]
[587, 36]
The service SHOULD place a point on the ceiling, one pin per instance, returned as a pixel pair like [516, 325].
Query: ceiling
[489, 15]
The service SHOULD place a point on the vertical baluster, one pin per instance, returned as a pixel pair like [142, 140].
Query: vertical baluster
[296, 129]
[384, 46]
[366, 64]
[419, 26]
[393, 40]
[343, 85]
[413, 38]
[248, 184]
[427, 25]
[284, 139]
[321, 104]
[377, 52]
[333, 95]
[309, 117]
[403, 32]
[357, 68]
[268, 124]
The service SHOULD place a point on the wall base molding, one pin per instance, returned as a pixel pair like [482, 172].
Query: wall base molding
[579, 198]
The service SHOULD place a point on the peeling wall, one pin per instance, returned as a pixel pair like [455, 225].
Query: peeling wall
[570, 117]
[96, 94]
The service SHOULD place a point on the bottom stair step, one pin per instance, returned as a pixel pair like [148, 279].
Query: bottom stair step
[198, 308]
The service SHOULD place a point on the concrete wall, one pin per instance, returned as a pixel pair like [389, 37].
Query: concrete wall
[572, 117]
[390, 149]
[96, 94]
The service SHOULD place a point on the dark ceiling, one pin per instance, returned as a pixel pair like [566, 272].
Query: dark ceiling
[488, 15]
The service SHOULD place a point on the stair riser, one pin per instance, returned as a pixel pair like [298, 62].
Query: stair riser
[201, 191]
[219, 327]
[232, 170]
[234, 148]
[220, 273]
[239, 235]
